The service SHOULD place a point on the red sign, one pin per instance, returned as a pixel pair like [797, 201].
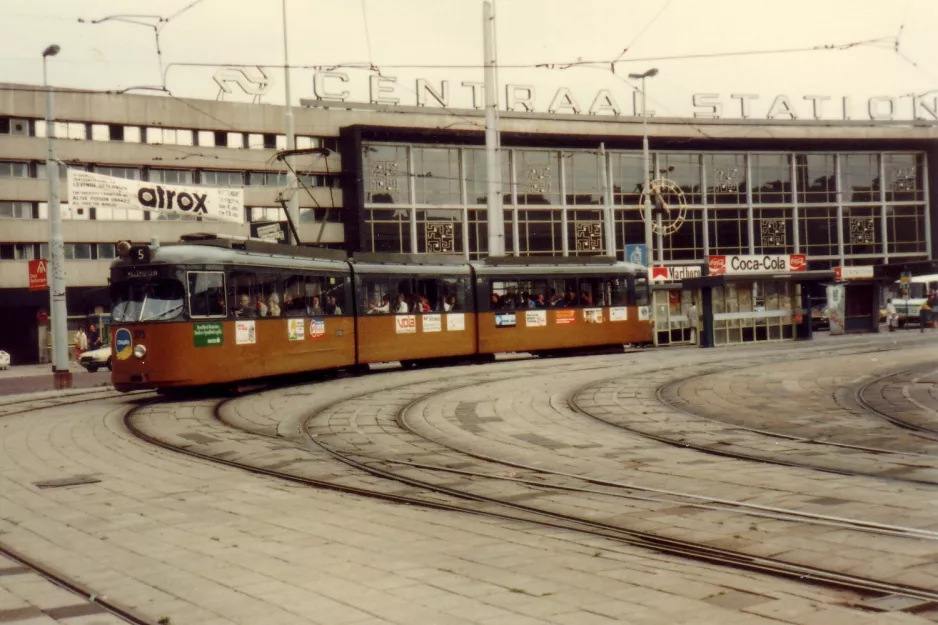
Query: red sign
[674, 297]
[717, 265]
[37, 275]
[798, 262]
[42, 316]
[660, 273]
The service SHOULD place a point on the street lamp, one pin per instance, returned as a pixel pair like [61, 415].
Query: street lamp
[648, 247]
[60, 370]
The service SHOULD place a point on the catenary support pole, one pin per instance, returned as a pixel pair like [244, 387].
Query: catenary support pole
[609, 221]
[293, 201]
[59, 312]
[494, 214]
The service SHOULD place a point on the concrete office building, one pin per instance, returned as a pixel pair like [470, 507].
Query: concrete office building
[412, 180]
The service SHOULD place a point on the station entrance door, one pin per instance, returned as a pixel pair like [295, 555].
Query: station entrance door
[676, 316]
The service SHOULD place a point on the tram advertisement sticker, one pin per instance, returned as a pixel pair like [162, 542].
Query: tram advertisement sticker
[245, 332]
[593, 315]
[535, 318]
[123, 345]
[619, 313]
[317, 328]
[455, 322]
[432, 323]
[644, 313]
[295, 329]
[208, 334]
[565, 317]
[505, 320]
[405, 324]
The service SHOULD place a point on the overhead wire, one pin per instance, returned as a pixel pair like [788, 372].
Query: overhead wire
[640, 33]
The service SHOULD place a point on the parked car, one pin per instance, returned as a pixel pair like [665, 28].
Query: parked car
[94, 359]
[4, 360]
[820, 318]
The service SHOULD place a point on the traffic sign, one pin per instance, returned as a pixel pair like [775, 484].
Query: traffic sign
[38, 270]
[636, 253]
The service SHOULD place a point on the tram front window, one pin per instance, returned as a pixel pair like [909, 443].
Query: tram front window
[148, 301]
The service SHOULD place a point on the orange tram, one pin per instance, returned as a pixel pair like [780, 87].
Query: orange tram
[214, 311]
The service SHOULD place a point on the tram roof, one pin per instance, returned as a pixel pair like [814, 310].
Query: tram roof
[556, 265]
[186, 253]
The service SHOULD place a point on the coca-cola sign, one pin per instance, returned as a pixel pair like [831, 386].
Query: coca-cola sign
[755, 264]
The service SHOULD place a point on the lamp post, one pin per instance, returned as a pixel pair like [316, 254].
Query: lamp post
[60, 370]
[647, 182]
[293, 202]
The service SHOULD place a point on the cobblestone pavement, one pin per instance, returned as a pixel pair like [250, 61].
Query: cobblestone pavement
[192, 542]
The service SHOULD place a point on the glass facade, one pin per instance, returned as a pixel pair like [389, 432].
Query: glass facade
[834, 207]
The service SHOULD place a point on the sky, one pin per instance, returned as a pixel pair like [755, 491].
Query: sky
[115, 55]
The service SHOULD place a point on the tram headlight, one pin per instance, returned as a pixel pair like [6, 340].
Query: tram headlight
[140, 351]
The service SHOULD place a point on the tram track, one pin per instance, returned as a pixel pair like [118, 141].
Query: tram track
[455, 501]
[80, 590]
[929, 433]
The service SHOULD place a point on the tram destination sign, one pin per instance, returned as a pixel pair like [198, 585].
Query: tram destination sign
[737, 265]
[96, 191]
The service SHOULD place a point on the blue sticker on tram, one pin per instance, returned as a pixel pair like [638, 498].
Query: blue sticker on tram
[123, 345]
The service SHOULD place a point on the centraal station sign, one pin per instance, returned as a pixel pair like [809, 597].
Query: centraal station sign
[339, 86]
[738, 265]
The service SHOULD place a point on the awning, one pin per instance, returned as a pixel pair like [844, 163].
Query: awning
[798, 276]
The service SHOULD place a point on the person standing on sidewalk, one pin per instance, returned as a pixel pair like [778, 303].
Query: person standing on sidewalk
[81, 343]
[925, 312]
[94, 338]
[892, 316]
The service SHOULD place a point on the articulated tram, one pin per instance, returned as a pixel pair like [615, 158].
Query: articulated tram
[210, 310]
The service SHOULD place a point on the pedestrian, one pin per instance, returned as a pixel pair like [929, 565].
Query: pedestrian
[892, 316]
[94, 337]
[81, 343]
[924, 314]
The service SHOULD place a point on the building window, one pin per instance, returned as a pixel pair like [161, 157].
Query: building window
[386, 180]
[540, 231]
[860, 175]
[14, 170]
[16, 210]
[686, 242]
[264, 213]
[439, 232]
[683, 169]
[477, 223]
[628, 179]
[267, 179]
[171, 176]
[477, 177]
[78, 251]
[18, 251]
[583, 182]
[436, 176]
[771, 179]
[63, 171]
[816, 177]
[115, 132]
[128, 173]
[630, 228]
[105, 251]
[773, 230]
[316, 215]
[904, 177]
[584, 232]
[818, 231]
[726, 178]
[905, 227]
[728, 231]
[388, 230]
[14, 126]
[537, 177]
[222, 178]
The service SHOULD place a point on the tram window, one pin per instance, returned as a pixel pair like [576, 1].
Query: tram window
[268, 296]
[617, 291]
[375, 296]
[453, 295]
[242, 293]
[161, 300]
[333, 294]
[295, 300]
[591, 292]
[640, 289]
[207, 294]
[504, 295]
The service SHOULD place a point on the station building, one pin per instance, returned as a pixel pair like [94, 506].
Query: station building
[413, 180]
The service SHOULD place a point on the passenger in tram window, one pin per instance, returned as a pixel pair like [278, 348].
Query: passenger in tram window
[449, 304]
[555, 300]
[571, 298]
[331, 307]
[401, 306]
[539, 301]
[273, 305]
[494, 302]
[586, 299]
[385, 306]
[424, 305]
[244, 308]
[260, 306]
[315, 308]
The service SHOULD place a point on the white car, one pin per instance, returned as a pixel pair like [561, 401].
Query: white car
[4, 360]
[94, 359]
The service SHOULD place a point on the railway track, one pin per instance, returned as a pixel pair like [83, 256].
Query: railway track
[27, 404]
[880, 383]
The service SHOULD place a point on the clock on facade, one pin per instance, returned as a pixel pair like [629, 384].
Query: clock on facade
[667, 200]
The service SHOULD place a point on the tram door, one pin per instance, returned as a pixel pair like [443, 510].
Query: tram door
[676, 317]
